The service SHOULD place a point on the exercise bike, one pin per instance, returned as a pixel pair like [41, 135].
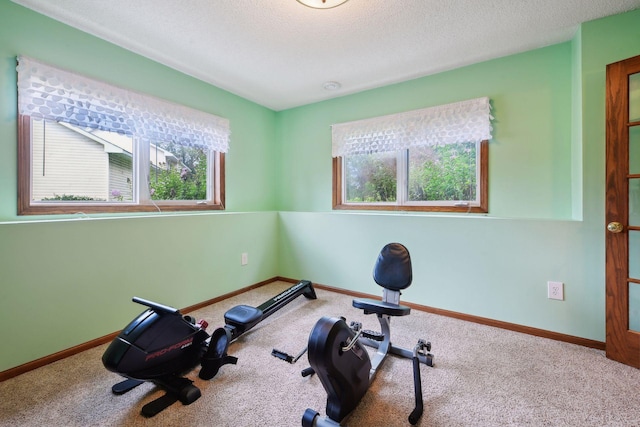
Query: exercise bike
[336, 350]
[161, 346]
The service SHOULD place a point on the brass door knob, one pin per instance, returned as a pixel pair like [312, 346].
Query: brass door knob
[615, 227]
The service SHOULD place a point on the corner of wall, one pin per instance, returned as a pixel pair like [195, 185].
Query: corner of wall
[577, 179]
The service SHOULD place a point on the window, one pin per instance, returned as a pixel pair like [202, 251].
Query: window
[86, 146]
[434, 159]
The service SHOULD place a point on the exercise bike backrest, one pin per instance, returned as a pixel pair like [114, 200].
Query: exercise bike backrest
[393, 267]
[393, 272]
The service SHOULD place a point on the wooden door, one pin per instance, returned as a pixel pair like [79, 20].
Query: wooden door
[623, 211]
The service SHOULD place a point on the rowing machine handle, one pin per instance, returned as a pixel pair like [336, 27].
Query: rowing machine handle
[159, 308]
[415, 415]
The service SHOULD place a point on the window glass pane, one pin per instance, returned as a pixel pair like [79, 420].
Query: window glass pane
[634, 307]
[443, 172]
[74, 164]
[370, 177]
[634, 202]
[634, 149]
[634, 254]
[177, 172]
[634, 97]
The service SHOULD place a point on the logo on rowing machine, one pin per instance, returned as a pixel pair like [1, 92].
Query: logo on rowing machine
[182, 344]
[289, 291]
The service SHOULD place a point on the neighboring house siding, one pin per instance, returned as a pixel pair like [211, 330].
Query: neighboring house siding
[120, 177]
[68, 163]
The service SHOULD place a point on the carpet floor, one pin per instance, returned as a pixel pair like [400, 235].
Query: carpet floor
[483, 376]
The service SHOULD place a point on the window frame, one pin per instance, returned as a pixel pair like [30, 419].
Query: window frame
[26, 206]
[482, 206]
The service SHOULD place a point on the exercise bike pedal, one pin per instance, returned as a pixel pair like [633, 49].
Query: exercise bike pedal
[373, 335]
[366, 333]
[282, 355]
[423, 345]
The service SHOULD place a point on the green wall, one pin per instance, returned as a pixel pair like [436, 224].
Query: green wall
[68, 280]
[530, 154]
[495, 265]
[546, 190]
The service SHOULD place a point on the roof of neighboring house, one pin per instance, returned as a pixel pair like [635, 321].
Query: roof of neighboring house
[109, 146]
[123, 144]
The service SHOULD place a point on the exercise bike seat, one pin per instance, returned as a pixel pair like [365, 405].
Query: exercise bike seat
[372, 306]
[393, 272]
[243, 317]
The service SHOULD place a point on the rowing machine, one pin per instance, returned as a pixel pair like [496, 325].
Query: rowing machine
[161, 346]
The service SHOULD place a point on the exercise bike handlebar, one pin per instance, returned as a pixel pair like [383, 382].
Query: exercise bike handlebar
[160, 308]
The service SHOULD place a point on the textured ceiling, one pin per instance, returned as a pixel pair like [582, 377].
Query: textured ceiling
[278, 53]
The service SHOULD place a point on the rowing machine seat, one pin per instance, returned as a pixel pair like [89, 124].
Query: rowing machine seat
[243, 317]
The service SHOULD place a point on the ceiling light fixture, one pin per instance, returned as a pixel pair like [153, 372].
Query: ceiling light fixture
[322, 4]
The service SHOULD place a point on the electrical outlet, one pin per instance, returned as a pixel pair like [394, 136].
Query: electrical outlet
[555, 290]
[244, 259]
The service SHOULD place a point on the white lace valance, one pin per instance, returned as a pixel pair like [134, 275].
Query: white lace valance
[46, 92]
[465, 121]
